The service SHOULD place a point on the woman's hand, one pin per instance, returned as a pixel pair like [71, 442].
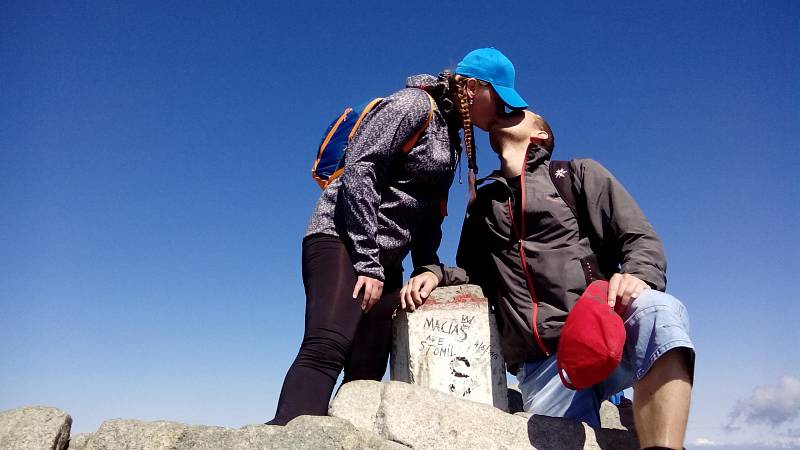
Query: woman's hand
[416, 291]
[373, 289]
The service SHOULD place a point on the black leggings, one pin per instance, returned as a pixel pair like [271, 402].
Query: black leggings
[337, 335]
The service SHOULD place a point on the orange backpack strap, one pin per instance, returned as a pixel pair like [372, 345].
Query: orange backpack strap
[324, 181]
[412, 141]
[364, 112]
[330, 158]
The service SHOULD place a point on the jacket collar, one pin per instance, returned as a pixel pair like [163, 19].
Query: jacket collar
[536, 156]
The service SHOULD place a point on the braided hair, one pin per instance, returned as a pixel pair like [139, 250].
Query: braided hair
[450, 90]
[458, 88]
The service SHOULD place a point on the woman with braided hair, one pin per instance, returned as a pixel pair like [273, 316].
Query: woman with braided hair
[387, 203]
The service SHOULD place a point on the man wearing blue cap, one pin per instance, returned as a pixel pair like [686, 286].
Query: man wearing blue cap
[534, 253]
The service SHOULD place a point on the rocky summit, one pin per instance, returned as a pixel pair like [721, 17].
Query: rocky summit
[34, 427]
[364, 415]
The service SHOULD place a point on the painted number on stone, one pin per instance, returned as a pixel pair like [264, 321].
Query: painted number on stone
[482, 348]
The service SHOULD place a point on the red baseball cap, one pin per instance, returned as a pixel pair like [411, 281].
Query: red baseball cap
[592, 339]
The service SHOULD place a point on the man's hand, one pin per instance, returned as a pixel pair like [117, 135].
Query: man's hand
[416, 291]
[373, 288]
[624, 288]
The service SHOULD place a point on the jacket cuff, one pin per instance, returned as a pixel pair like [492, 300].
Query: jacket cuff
[436, 269]
[653, 277]
[368, 269]
[448, 276]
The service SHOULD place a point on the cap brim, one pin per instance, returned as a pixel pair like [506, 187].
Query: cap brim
[510, 97]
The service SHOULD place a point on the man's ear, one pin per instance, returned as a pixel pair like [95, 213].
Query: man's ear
[541, 135]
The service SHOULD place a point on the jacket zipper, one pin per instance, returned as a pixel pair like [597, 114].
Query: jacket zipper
[520, 236]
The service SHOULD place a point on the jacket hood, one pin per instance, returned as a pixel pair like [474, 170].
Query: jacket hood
[423, 81]
[438, 87]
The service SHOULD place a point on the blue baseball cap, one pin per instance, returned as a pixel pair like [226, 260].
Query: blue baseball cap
[489, 65]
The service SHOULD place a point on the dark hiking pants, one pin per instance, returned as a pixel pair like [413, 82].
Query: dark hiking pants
[338, 335]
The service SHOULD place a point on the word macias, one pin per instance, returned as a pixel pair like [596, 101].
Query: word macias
[448, 327]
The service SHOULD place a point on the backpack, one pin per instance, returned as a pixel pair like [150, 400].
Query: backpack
[329, 163]
[603, 263]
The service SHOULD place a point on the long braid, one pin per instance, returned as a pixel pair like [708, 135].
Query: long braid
[469, 138]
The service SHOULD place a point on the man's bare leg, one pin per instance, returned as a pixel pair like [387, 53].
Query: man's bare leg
[661, 401]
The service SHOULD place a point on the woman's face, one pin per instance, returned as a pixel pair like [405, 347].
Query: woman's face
[486, 105]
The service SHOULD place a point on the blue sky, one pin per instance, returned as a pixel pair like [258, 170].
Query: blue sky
[155, 186]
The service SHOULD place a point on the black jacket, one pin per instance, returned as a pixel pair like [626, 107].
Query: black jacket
[538, 278]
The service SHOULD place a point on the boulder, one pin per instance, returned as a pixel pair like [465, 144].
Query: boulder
[304, 432]
[34, 428]
[364, 415]
[79, 441]
[609, 416]
[420, 417]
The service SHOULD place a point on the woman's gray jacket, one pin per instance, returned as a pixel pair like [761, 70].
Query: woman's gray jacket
[387, 202]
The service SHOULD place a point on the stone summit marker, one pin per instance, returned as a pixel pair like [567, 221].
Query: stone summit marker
[451, 344]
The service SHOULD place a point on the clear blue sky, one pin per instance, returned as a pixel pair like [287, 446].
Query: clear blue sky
[155, 186]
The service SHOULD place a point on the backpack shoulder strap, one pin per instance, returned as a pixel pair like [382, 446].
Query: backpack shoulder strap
[562, 177]
[564, 180]
[412, 141]
[363, 114]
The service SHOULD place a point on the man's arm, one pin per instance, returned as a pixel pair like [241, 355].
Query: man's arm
[473, 254]
[424, 245]
[623, 229]
[427, 236]
[473, 261]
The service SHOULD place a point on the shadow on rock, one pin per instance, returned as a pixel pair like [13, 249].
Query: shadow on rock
[514, 401]
[551, 433]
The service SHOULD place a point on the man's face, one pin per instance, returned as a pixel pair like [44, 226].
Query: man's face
[516, 126]
[504, 128]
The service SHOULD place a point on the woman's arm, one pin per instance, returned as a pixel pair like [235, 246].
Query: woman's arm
[376, 144]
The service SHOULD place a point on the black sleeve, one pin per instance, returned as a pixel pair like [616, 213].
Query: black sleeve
[427, 237]
[620, 223]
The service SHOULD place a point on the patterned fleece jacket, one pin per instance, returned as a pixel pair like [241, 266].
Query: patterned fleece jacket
[387, 202]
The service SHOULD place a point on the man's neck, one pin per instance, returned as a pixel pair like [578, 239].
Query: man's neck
[511, 163]
[512, 158]
[512, 136]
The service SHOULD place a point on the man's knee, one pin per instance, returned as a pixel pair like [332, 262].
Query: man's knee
[656, 303]
[676, 363]
[659, 313]
[656, 324]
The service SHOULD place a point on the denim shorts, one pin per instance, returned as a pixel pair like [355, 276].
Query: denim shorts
[655, 323]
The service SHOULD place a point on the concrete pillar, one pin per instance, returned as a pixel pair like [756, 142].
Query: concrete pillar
[451, 344]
